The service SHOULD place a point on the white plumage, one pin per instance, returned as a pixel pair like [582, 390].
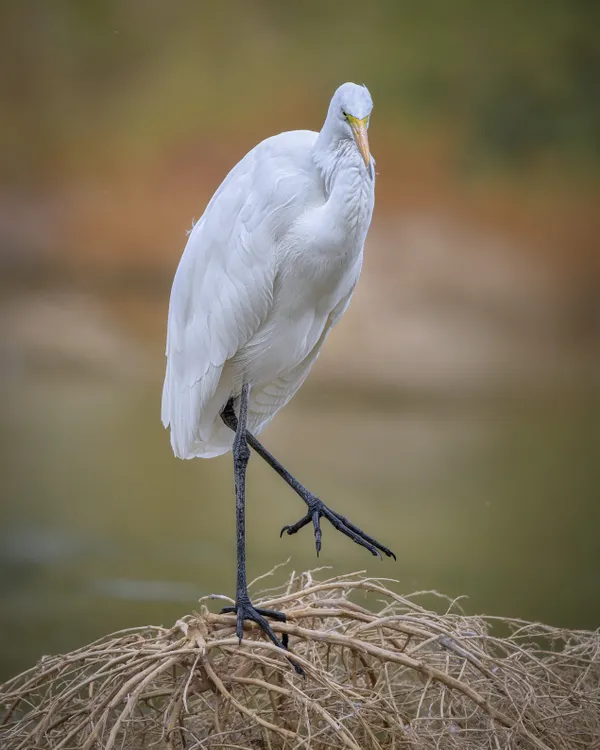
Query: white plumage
[267, 272]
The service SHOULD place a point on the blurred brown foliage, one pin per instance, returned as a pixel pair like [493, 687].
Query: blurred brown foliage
[121, 118]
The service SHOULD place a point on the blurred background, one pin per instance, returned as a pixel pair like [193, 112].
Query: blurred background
[454, 412]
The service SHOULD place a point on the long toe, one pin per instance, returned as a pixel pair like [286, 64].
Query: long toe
[357, 536]
[369, 539]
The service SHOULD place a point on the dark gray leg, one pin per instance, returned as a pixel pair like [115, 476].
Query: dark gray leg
[316, 508]
[243, 606]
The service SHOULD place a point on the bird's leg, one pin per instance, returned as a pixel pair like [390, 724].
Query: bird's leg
[243, 606]
[316, 507]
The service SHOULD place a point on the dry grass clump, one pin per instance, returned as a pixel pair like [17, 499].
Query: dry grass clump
[401, 676]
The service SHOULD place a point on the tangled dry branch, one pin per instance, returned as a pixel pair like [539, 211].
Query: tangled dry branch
[382, 671]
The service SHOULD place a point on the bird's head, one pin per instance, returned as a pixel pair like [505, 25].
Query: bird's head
[350, 109]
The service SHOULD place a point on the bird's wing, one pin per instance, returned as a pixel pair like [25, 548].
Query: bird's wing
[266, 401]
[221, 294]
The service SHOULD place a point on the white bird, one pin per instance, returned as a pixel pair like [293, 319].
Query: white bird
[267, 272]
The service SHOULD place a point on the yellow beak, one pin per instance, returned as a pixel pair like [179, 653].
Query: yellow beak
[359, 129]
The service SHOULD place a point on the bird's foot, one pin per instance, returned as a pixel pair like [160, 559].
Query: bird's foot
[317, 510]
[245, 610]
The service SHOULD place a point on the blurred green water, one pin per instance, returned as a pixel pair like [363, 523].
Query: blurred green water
[101, 528]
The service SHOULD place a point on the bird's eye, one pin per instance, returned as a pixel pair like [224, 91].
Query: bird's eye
[345, 114]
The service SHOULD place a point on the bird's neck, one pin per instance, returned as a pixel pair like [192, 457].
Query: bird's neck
[349, 185]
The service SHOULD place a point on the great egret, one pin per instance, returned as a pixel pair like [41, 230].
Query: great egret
[267, 271]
